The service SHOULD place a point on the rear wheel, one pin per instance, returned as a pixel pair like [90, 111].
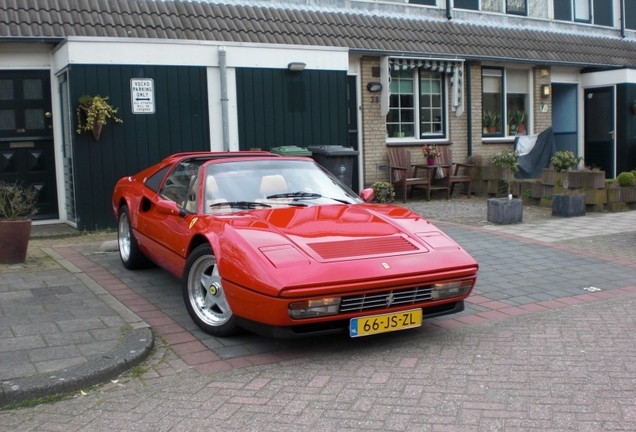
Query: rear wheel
[204, 295]
[129, 252]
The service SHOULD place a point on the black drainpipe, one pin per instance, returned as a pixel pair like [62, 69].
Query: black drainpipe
[449, 14]
[623, 19]
[469, 112]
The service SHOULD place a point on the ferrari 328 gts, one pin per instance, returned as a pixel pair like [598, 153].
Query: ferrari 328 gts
[277, 245]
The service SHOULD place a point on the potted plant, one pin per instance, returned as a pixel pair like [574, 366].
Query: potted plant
[430, 152]
[18, 203]
[96, 110]
[515, 121]
[506, 210]
[383, 192]
[566, 205]
[491, 121]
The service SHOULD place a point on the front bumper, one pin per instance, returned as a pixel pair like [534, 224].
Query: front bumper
[336, 325]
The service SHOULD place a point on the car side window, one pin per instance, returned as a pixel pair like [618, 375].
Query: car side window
[154, 181]
[181, 184]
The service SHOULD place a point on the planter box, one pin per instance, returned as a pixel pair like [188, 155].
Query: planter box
[541, 191]
[586, 179]
[595, 196]
[550, 177]
[489, 172]
[504, 211]
[14, 240]
[568, 205]
[617, 207]
[621, 194]
[546, 202]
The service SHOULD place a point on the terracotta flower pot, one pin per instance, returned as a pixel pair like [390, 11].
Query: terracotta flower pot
[97, 130]
[14, 240]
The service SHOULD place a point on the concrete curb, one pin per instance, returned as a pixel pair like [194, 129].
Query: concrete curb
[135, 348]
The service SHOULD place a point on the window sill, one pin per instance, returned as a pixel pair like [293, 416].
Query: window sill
[403, 142]
[502, 140]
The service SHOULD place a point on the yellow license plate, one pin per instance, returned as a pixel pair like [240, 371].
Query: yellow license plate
[385, 323]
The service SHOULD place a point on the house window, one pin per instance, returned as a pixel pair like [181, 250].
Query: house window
[466, 4]
[423, 2]
[581, 11]
[517, 7]
[416, 117]
[401, 118]
[504, 116]
[630, 14]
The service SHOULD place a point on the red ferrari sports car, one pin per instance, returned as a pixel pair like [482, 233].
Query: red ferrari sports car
[277, 245]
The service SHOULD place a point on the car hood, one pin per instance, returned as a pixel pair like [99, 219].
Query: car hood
[336, 244]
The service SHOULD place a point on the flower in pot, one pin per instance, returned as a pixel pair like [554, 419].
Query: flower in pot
[515, 121]
[96, 111]
[18, 202]
[562, 161]
[491, 121]
[508, 160]
[383, 192]
[430, 152]
[566, 205]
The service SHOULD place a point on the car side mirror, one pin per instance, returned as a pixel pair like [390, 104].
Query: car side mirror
[168, 208]
[367, 194]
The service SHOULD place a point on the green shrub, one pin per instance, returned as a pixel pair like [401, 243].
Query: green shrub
[626, 179]
[563, 160]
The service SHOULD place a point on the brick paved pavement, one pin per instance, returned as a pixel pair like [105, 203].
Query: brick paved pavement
[547, 353]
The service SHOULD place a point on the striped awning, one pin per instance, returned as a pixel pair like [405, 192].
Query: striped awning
[455, 68]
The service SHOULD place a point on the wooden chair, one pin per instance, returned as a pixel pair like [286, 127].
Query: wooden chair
[402, 174]
[458, 172]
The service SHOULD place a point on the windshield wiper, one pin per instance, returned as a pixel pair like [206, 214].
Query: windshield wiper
[304, 196]
[240, 204]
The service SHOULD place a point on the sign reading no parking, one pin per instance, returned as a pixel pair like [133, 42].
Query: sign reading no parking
[142, 93]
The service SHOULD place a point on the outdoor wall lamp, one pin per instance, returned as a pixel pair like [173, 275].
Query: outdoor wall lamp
[545, 90]
[296, 66]
[374, 87]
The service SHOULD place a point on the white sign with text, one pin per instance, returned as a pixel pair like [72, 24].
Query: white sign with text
[142, 93]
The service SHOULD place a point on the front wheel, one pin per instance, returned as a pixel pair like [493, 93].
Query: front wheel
[129, 252]
[204, 296]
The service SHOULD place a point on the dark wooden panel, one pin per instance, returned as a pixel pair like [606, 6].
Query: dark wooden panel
[180, 123]
[277, 107]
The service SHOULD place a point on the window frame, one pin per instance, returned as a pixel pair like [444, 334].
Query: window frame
[503, 112]
[518, 13]
[592, 7]
[417, 109]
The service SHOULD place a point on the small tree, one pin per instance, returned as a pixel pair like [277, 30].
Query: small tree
[17, 201]
[508, 160]
[563, 161]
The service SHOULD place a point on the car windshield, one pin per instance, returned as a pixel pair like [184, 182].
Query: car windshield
[237, 185]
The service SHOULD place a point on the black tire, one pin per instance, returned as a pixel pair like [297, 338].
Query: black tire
[203, 294]
[131, 257]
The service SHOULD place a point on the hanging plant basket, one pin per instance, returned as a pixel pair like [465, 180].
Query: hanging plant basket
[92, 113]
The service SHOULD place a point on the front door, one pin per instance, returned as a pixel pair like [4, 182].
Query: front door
[600, 148]
[26, 135]
[564, 117]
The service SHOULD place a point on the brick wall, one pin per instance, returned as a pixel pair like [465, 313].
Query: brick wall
[373, 126]
[542, 120]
